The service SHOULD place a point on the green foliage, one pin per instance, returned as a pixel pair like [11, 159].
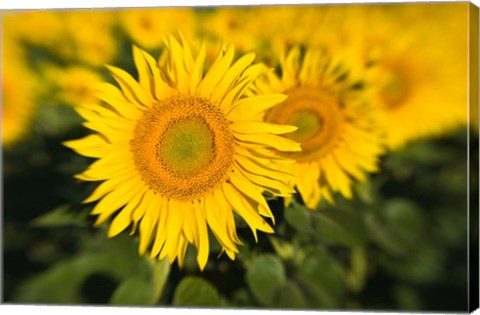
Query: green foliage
[133, 291]
[63, 215]
[63, 282]
[323, 279]
[290, 295]
[265, 276]
[195, 291]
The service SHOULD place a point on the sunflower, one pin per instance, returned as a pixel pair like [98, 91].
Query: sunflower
[73, 84]
[420, 77]
[179, 150]
[92, 43]
[18, 109]
[339, 131]
[148, 26]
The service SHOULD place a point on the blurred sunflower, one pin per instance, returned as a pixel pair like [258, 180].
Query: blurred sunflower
[74, 84]
[421, 76]
[338, 128]
[147, 27]
[232, 24]
[91, 43]
[19, 90]
[37, 27]
[179, 150]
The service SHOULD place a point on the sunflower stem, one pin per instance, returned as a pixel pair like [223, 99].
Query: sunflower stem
[161, 270]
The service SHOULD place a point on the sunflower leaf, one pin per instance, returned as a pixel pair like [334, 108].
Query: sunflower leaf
[339, 226]
[61, 216]
[298, 217]
[291, 296]
[194, 291]
[133, 291]
[322, 277]
[264, 277]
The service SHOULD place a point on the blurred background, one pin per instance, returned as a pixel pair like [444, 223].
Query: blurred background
[399, 244]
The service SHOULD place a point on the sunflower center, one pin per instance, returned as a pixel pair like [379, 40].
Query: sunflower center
[187, 146]
[318, 117]
[183, 147]
[309, 124]
[395, 91]
[396, 88]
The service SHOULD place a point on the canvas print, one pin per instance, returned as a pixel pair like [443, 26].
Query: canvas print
[316, 157]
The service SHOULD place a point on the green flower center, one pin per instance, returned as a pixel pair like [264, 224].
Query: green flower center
[187, 146]
[395, 91]
[309, 124]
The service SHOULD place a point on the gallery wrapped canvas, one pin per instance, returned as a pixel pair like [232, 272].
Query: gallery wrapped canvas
[295, 157]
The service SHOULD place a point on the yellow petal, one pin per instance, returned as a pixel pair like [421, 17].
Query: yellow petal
[161, 232]
[179, 65]
[253, 167]
[113, 202]
[182, 249]
[149, 220]
[336, 177]
[244, 209]
[142, 69]
[92, 145]
[203, 242]
[251, 126]
[231, 76]
[216, 72]
[280, 188]
[251, 191]
[272, 141]
[190, 227]
[252, 107]
[131, 89]
[161, 89]
[217, 221]
[173, 228]
[226, 208]
[107, 186]
[242, 84]
[123, 219]
[197, 70]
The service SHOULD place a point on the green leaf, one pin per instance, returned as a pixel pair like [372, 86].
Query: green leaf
[194, 291]
[62, 283]
[407, 298]
[298, 217]
[323, 278]
[241, 297]
[61, 216]
[290, 296]
[404, 219]
[398, 228]
[264, 277]
[133, 291]
[339, 226]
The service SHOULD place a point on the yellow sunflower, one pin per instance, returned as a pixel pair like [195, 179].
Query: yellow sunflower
[74, 84]
[19, 90]
[338, 128]
[148, 26]
[179, 150]
[421, 74]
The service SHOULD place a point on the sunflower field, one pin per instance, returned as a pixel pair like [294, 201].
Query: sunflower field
[273, 157]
